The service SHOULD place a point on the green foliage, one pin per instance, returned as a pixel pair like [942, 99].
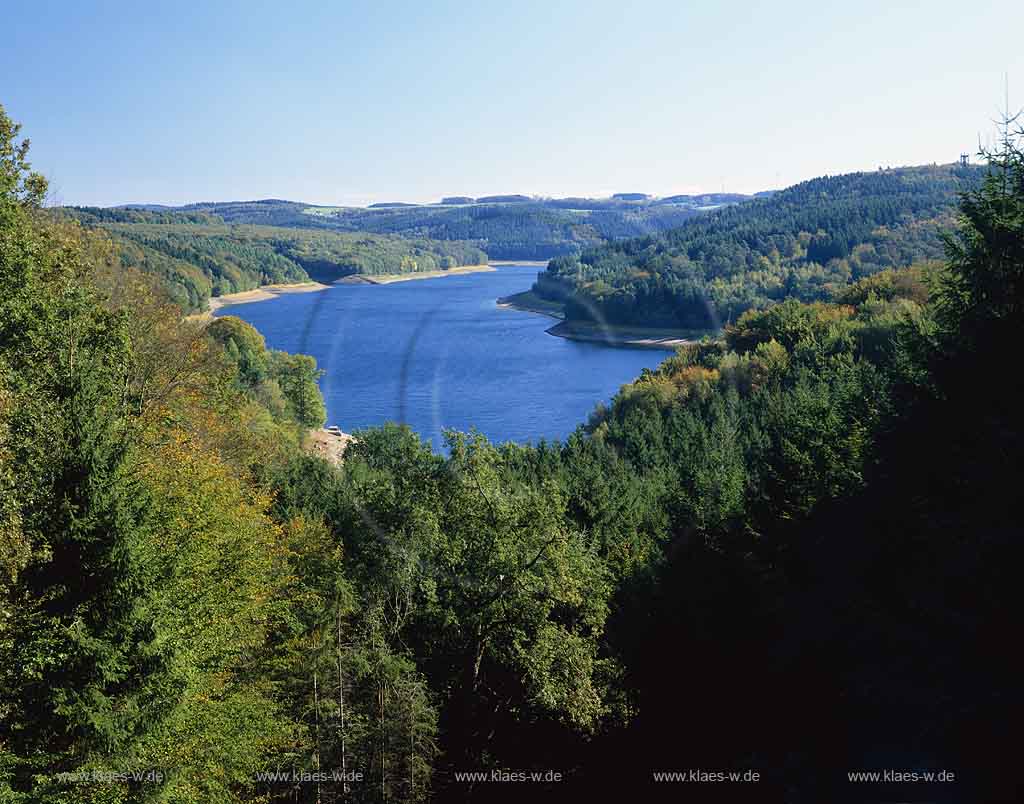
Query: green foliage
[981, 292]
[512, 597]
[285, 384]
[141, 562]
[911, 283]
[19, 186]
[297, 376]
[245, 346]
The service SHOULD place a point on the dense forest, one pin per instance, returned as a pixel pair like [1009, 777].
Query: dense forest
[789, 551]
[197, 255]
[805, 242]
[505, 226]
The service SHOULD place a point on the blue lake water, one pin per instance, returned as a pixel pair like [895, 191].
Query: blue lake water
[439, 353]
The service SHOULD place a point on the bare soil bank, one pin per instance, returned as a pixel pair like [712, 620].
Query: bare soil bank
[262, 294]
[387, 279]
[328, 444]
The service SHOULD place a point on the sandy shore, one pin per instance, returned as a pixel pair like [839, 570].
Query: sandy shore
[639, 338]
[262, 294]
[387, 279]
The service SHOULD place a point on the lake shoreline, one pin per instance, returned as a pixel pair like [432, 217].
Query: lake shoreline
[529, 302]
[629, 337]
[608, 335]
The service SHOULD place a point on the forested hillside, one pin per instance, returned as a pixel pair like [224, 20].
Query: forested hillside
[792, 550]
[506, 227]
[805, 242]
[526, 229]
[197, 255]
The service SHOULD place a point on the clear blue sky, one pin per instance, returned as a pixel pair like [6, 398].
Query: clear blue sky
[351, 103]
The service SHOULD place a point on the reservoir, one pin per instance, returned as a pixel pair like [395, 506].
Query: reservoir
[439, 353]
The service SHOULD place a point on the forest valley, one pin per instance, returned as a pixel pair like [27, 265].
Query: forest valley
[793, 548]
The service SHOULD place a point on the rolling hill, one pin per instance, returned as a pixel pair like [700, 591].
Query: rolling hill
[804, 242]
[505, 226]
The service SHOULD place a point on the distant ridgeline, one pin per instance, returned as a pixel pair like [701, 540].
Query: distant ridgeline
[805, 242]
[198, 255]
[507, 227]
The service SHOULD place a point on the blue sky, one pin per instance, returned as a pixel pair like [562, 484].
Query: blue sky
[352, 103]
